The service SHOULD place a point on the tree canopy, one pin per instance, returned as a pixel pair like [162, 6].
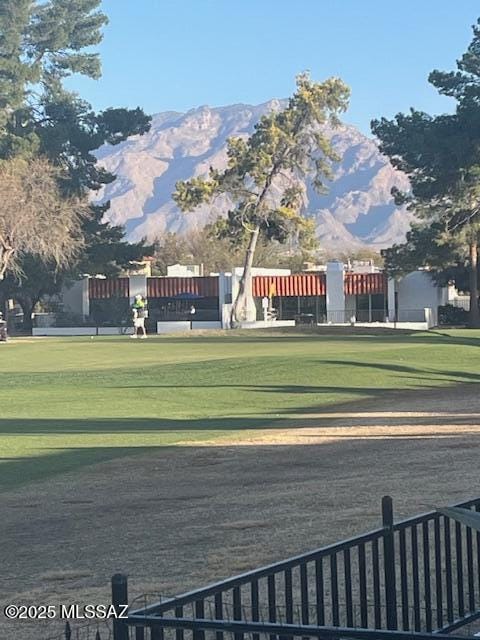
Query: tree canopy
[441, 157]
[262, 178]
[42, 43]
[34, 216]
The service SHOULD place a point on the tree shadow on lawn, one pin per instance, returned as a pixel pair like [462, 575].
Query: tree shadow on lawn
[448, 375]
[20, 470]
[274, 417]
[408, 373]
[16, 472]
[277, 419]
[61, 461]
[412, 373]
[53, 460]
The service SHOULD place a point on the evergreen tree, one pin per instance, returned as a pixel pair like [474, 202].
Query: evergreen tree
[440, 156]
[36, 280]
[106, 250]
[284, 146]
[41, 44]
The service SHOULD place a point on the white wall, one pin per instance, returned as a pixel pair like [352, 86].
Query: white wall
[75, 297]
[266, 271]
[417, 291]
[269, 324]
[237, 273]
[173, 327]
[182, 326]
[184, 270]
[409, 326]
[206, 324]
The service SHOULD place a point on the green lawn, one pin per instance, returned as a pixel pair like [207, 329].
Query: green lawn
[66, 403]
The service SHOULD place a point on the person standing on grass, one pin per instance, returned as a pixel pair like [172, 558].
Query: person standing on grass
[139, 311]
[3, 329]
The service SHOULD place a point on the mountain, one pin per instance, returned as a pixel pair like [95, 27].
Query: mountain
[357, 211]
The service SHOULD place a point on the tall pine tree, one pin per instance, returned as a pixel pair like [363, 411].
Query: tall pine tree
[441, 157]
[41, 44]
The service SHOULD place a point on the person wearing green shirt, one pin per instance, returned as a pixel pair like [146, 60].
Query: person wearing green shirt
[139, 311]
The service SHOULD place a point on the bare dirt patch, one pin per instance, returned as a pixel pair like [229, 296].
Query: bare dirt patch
[180, 517]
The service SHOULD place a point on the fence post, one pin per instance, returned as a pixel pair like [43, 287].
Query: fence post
[119, 597]
[68, 631]
[389, 562]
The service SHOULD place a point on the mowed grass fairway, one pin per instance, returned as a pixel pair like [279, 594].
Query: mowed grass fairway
[68, 403]
[183, 460]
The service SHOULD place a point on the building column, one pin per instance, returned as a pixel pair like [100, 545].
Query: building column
[391, 299]
[225, 298]
[335, 292]
[138, 286]
[85, 302]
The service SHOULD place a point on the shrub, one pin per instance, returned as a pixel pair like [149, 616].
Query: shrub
[450, 315]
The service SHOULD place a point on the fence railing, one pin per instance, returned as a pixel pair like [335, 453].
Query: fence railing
[354, 316]
[460, 303]
[185, 629]
[93, 631]
[160, 628]
[420, 574]
[406, 579]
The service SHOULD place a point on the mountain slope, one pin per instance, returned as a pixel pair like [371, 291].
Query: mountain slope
[358, 209]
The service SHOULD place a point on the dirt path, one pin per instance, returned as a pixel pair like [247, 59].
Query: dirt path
[180, 517]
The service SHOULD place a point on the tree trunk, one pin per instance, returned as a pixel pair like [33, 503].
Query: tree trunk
[28, 306]
[6, 253]
[240, 306]
[3, 301]
[239, 309]
[473, 283]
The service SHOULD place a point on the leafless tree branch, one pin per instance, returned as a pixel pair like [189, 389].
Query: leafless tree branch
[34, 217]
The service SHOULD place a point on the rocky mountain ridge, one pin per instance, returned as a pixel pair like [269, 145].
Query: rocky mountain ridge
[357, 211]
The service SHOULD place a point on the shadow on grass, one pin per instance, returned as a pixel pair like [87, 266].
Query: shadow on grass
[408, 373]
[273, 418]
[277, 501]
[454, 376]
[53, 460]
[16, 472]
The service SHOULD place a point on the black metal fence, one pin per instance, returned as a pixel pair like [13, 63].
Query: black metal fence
[417, 576]
[420, 574]
[174, 629]
[93, 631]
[364, 316]
[351, 316]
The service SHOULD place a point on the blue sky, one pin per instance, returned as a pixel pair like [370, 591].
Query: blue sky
[179, 54]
